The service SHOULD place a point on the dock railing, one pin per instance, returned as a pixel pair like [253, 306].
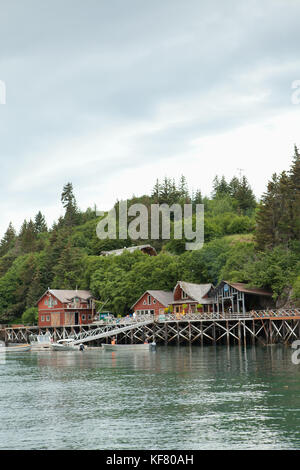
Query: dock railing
[252, 315]
[201, 316]
[276, 313]
[124, 320]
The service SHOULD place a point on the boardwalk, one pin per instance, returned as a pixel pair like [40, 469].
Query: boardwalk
[263, 327]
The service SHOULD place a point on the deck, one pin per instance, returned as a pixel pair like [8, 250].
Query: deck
[264, 327]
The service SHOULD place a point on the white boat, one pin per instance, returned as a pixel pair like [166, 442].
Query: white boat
[15, 348]
[128, 347]
[65, 345]
[40, 342]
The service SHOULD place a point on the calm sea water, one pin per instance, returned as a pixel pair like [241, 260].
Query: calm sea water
[174, 398]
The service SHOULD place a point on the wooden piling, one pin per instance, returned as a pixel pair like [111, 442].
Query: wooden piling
[227, 333]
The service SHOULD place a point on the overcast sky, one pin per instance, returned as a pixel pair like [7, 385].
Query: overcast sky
[112, 94]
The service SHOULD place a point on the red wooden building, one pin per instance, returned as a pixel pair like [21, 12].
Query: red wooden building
[153, 301]
[192, 298]
[65, 308]
[185, 297]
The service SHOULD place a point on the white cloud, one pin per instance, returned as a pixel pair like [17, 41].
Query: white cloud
[112, 102]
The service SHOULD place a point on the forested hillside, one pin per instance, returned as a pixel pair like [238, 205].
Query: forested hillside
[245, 240]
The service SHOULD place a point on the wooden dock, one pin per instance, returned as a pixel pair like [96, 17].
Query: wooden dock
[262, 327]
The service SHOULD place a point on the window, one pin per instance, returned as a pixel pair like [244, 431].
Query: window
[154, 301]
[83, 317]
[48, 318]
[183, 295]
[144, 303]
[42, 318]
[89, 317]
[149, 299]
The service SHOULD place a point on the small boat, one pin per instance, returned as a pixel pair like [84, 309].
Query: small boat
[15, 348]
[40, 342]
[128, 347]
[64, 345]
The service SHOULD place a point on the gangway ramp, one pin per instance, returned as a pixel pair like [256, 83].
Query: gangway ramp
[98, 333]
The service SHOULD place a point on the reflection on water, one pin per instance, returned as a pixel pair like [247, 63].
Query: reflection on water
[172, 398]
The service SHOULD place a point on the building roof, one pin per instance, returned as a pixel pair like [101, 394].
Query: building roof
[66, 295]
[164, 297]
[249, 290]
[241, 287]
[144, 248]
[197, 292]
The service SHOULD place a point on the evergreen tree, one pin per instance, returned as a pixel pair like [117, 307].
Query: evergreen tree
[27, 236]
[197, 197]
[40, 223]
[25, 280]
[285, 222]
[220, 187]
[268, 215]
[57, 243]
[165, 191]
[278, 219]
[36, 289]
[234, 186]
[295, 194]
[244, 195]
[69, 203]
[183, 188]
[8, 240]
[155, 194]
[69, 268]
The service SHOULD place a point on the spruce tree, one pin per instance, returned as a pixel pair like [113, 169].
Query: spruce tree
[234, 186]
[284, 232]
[40, 223]
[183, 188]
[197, 197]
[244, 195]
[268, 216]
[68, 269]
[295, 194]
[165, 191]
[220, 187]
[8, 240]
[36, 289]
[156, 192]
[27, 236]
[69, 203]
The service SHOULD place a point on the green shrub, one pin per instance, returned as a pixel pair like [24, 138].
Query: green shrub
[30, 316]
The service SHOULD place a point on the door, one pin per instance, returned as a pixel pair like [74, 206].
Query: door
[55, 319]
[69, 318]
[76, 318]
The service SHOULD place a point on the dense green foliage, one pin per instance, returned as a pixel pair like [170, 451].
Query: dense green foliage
[244, 241]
